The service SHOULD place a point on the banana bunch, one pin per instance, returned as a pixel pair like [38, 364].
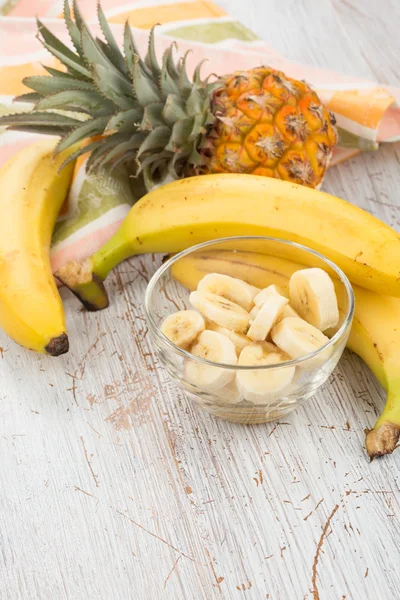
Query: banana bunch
[375, 334]
[181, 214]
[189, 211]
[33, 191]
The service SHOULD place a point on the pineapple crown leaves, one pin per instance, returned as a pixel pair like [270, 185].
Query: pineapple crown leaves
[110, 48]
[149, 115]
[73, 29]
[31, 97]
[185, 85]
[67, 57]
[151, 61]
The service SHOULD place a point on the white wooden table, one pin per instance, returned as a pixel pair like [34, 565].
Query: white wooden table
[113, 486]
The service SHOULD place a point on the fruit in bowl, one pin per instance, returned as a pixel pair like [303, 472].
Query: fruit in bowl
[221, 331]
[244, 352]
[374, 335]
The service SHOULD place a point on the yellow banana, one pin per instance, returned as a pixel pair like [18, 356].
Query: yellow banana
[33, 191]
[375, 334]
[185, 212]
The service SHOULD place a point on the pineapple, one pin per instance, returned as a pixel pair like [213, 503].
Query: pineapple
[158, 122]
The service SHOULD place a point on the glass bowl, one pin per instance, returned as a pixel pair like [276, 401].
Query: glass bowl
[260, 261]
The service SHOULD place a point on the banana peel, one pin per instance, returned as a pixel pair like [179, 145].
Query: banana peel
[31, 311]
[197, 209]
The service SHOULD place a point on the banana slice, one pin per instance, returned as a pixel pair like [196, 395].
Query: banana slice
[262, 296]
[239, 340]
[267, 317]
[330, 332]
[288, 311]
[313, 296]
[183, 327]
[253, 313]
[221, 311]
[255, 290]
[297, 338]
[217, 348]
[230, 394]
[264, 385]
[232, 289]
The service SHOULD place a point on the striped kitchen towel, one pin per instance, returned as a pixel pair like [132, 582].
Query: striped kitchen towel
[367, 113]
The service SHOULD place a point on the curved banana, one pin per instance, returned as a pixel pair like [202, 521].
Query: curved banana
[185, 212]
[375, 334]
[33, 191]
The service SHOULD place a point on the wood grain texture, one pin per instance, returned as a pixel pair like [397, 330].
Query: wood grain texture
[114, 486]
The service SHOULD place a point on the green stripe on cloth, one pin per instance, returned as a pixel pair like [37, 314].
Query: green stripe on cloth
[213, 32]
[350, 140]
[99, 194]
[5, 109]
[8, 108]
[7, 6]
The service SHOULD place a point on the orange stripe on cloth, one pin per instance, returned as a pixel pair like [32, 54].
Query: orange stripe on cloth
[365, 107]
[11, 77]
[145, 18]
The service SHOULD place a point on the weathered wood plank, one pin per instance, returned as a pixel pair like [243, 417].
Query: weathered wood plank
[114, 486]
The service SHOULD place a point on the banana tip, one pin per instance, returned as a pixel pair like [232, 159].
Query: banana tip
[382, 440]
[58, 345]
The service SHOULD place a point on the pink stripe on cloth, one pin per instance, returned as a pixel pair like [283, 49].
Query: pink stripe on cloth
[85, 246]
[24, 8]
[7, 150]
[342, 154]
[18, 38]
[395, 91]
[389, 127]
[89, 7]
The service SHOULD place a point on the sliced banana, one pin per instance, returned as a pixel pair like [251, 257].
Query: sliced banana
[232, 289]
[264, 385]
[268, 315]
[230, 393]
[256, 290]
[217, 348]
[239, 340]
[332, 330]
[221, 311]
[298, 338]
[313, 296]
[183, 327]
[262, 296]
[288, 311]
[254, 312]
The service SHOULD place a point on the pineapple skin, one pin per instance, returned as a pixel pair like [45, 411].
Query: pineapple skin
[271, 125]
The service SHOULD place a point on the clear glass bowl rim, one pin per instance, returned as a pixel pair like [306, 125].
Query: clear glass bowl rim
[289, 363]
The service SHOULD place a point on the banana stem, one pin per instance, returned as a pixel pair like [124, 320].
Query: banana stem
[383, 438]
[115, 251]
[85, 279]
